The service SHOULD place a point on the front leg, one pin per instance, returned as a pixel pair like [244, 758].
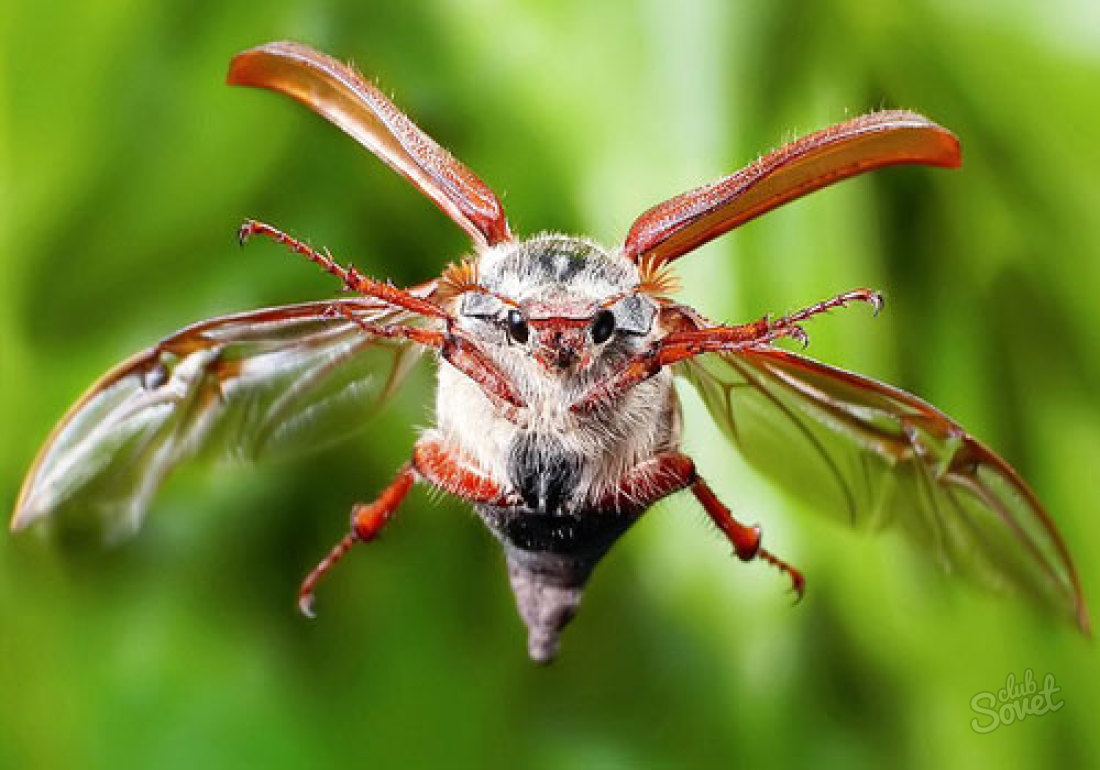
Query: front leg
[677, 346]
[352, 279]
[453, 346]
[457, 350]
[690, 338]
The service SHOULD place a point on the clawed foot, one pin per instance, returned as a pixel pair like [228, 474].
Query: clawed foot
[798, 583]
[785, 327]
[247, 229]
[305, 593]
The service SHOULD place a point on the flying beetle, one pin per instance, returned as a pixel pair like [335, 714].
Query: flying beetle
[556, 415]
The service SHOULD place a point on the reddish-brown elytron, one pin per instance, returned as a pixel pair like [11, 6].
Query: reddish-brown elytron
[557, 416]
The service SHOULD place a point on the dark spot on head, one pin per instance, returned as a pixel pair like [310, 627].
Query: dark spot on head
[560, 266]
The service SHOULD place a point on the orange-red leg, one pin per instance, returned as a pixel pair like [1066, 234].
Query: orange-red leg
[649, 482]
[367, 520]
[458, 351]
[448, 470]
[745, 540]
[689, 342]
[667, 473]
[436, 464]
[353, 280]
[870, 296]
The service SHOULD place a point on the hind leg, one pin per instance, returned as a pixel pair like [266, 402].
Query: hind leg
[432, 462]
[667, 473]
[745, 540]
[367, 520]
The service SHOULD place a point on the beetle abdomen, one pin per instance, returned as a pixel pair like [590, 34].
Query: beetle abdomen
[584, 535]
[550, 557]
[546, 601]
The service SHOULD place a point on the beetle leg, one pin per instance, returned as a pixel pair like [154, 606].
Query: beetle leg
[745, 540]
[353, 280]
[446, 469]
[648, 482]
[464, 355]
[367, 520]
[690, 340]
[667, 473]
[677, 346]
[870, 296]
[457, 350]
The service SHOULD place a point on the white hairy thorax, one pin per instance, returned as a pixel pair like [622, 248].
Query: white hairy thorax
[556, 275]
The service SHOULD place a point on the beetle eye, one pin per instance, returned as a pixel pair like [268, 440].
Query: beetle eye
[517, 327]
[603, 326]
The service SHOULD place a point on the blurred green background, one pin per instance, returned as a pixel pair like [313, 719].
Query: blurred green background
[125, 167]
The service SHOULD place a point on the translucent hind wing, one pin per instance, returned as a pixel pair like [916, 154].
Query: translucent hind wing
[259, 384]
[876, 457]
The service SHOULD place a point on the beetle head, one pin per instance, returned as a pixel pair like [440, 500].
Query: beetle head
[562, 302]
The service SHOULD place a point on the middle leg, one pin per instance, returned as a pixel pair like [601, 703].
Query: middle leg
[432, 462]
[447, 469]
